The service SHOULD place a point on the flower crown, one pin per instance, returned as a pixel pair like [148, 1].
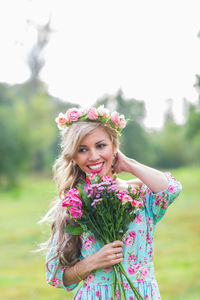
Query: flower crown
[100, 114]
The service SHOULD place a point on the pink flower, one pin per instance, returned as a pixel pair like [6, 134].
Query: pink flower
[87, 244]
[128, 241]
[144, 271]
[98, 294]
[126, 198]
[75, 212]
[136, 203]
[92, 113]
[131, 271]
[91, 239]
[73, 114]
[90, 278]
[122, 123]
[120, 195]
[138, 219]
[132, 234]
[115, 117]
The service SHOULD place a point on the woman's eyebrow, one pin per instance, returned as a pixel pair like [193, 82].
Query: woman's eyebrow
[95, 143]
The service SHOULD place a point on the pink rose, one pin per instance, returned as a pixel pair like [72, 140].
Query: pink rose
[91, 239]
[122, 123]
[90, 278]
[144, 271]
[115, 117]
[98, 294]
[131, 271]
[172, 189]
[138, 219]
[128, 241]
[75, 212]
[132, 234]
[92, 113]
[73, 114]
[87, 244]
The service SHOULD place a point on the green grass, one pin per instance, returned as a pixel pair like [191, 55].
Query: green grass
[177, 242]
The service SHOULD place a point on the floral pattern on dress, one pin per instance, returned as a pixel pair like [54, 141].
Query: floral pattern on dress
[138, 252]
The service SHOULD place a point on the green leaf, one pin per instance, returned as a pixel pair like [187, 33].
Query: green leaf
[73, 230]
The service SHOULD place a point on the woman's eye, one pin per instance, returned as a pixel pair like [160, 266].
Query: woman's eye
[82, 150]
[101, 145]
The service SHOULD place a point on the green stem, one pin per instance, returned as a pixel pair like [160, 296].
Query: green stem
[136, 292]
[122, 281]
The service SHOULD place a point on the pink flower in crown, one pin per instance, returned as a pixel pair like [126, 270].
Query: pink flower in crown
[73, 114]
[115, 117]
[75, 212]
[61, 120]
[92, 113]
[122, 122]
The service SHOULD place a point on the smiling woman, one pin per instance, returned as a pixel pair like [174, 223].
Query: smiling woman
[90, 145]
[96, 153]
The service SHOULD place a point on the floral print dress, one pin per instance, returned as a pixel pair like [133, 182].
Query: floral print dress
[138, 252]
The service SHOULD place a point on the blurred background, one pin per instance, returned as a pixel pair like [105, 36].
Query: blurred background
[139, 58]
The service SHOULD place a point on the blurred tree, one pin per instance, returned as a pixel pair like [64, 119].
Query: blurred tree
[35, 60]
[134, 140]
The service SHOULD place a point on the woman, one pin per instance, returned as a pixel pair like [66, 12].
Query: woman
[90, 144]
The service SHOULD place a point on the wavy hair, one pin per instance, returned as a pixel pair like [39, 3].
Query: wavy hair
[67, 175]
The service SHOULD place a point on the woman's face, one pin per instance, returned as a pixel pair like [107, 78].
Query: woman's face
[95, 153]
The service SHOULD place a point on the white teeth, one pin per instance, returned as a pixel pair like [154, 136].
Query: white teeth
[96, 166]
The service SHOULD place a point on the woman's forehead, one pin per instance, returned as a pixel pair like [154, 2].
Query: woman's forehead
[95, 136]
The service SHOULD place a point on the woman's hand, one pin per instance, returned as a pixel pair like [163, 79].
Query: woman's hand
[122, 163]
[108, 255]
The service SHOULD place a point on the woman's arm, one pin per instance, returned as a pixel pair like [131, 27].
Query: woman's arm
[107, 256]
[154, 179]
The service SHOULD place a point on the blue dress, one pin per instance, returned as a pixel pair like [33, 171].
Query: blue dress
[138, 252]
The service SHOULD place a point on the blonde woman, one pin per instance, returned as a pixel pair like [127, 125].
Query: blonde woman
[90, 144]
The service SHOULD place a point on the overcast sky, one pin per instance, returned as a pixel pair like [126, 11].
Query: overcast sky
[149, 49]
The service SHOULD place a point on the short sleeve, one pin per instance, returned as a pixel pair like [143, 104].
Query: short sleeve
[54, 272]
[157, 204]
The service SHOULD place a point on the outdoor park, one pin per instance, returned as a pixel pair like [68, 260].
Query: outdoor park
[29, 145]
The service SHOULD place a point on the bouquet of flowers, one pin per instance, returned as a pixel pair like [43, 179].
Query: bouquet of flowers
[100, 207]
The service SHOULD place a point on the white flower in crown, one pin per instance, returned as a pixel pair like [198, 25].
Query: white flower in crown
[102, 111]
[61, 120]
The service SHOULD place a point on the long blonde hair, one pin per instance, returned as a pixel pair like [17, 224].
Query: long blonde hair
[67, 175]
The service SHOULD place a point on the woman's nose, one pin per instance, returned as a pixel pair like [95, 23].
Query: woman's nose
[94, 155]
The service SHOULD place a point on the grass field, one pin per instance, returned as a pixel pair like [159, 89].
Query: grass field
[177, 242]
